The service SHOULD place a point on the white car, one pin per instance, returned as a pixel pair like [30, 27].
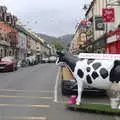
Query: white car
[52, 59]
[45, 60]
[31, 60]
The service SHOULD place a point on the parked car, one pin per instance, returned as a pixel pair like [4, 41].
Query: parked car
[45, 60]
[32, 60]
[52, 59]
[69, 84]
[8, 63]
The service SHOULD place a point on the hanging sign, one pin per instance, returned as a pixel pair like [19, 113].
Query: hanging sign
[99, 24]
[108, 14]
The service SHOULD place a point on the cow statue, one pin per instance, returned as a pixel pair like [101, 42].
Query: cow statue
[95, 73]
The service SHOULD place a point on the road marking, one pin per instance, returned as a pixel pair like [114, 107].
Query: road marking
[56, 85]
[23, 118]
[24, 105]
[27, 91]
[25, 97]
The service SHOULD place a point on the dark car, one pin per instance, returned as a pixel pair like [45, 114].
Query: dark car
[69, 85]
[8, 63]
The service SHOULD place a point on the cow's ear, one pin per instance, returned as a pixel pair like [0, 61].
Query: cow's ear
[117, 62]
[61, 54]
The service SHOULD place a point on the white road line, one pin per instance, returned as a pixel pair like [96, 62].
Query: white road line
[26, 91]
[24, 105]
[23, 118]
[56, 85]
[24, 97]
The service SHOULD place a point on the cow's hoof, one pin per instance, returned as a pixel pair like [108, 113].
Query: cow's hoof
[77, 103]
[71, 102]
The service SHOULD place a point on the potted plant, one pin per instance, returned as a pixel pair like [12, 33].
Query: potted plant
[114, 95]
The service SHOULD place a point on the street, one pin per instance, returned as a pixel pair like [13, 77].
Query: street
[29, 94]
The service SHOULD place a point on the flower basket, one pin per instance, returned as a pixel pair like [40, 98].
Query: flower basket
[114, 103]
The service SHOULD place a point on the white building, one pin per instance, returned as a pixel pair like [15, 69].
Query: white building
[95, 10]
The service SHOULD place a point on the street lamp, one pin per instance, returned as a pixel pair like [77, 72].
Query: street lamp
[86, 6]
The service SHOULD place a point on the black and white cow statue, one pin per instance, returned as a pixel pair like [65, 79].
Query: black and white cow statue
[91, 72]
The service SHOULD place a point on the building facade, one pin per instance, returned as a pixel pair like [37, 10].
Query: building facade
[101, 33]
[17, 41]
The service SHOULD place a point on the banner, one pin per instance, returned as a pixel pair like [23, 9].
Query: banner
[99, 24]
[108, 14]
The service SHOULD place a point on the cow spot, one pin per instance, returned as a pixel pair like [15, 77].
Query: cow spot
[90, 61]
[94, 75]
[103, 73]
[81, 59]
[89, 80]
[80, 73]
[96, 65]
[88, 69]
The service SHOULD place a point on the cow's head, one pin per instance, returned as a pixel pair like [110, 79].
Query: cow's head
[60, 60]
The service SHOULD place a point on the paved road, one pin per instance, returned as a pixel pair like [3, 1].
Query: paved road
[28, 94]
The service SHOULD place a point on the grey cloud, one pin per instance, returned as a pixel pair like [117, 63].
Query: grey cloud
[54, 17]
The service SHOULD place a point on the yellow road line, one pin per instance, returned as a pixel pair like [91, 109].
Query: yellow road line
[24, 105]
[25, 97]
[24, 118]
[27, 91]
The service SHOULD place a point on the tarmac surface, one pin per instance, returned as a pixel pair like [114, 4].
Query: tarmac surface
[34, 93]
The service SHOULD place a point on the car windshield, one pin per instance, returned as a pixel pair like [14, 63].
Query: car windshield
[59, 54]
[6, 59]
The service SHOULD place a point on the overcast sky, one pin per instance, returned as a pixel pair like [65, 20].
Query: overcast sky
[52, 17]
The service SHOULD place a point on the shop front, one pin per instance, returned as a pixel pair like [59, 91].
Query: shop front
[99, 45]
[113, 42]
[113, 48]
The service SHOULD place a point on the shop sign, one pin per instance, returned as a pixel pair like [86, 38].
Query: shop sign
[111, 39]
[99, 56]
[118, 34]
[113, 36]
[99, 24]
[108, 14]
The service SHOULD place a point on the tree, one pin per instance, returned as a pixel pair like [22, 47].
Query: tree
[57, 45]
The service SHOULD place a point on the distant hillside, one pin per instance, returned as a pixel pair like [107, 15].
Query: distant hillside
[66, 39]
[48, 38]
[63, 40]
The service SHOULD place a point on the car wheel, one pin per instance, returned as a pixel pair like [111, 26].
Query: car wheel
[16, 68]
[13, 68]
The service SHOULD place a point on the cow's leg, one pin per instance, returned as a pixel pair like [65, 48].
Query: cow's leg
[80, 88]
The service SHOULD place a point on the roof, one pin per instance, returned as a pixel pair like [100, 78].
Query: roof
[29, 33]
